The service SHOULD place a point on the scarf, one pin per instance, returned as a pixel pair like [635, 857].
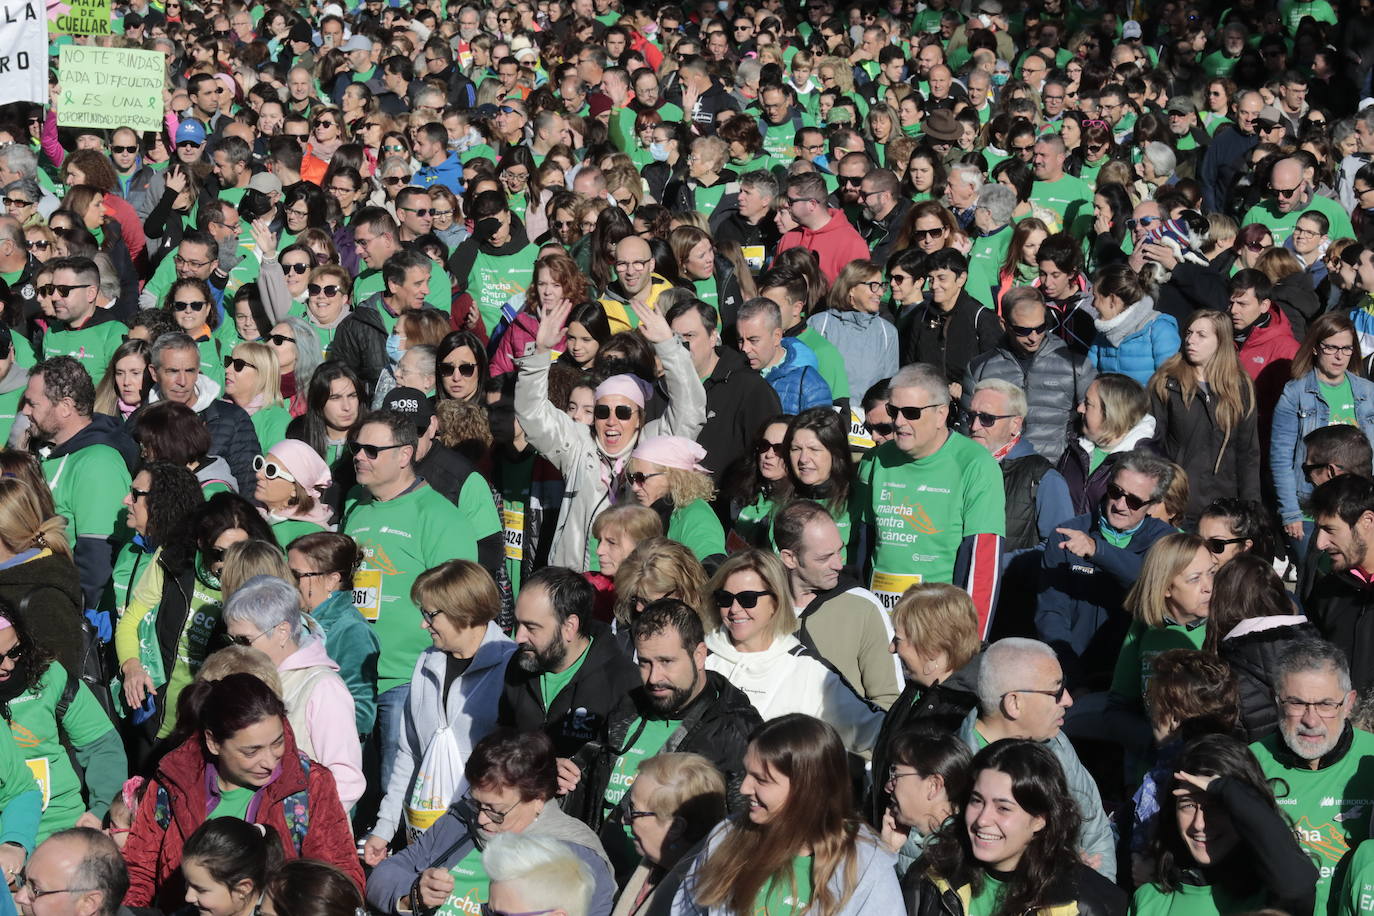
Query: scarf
[1241, 336]
[1128, 322]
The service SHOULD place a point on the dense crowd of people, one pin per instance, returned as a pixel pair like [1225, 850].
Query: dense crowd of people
[595, 457]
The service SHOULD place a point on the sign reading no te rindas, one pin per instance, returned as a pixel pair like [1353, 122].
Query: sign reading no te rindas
[110, 87]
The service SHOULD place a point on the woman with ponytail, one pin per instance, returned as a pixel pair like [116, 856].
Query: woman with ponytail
[226, 864]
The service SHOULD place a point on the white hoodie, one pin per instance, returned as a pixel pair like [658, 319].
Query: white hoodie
[786, 677]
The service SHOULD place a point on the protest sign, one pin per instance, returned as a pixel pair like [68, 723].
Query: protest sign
[110, 87]
[23, 52]
[79, 17]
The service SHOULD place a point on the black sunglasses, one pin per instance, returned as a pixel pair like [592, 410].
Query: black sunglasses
[1217, 545]
[639, 478]
[1021, 331]
[316, 289]
[60, 289]
[623, 412]
[910, 414]
[278, 339]
[763, 448]
[123, 149]
[1133, 502]
[238, 365]
[370, 450]
[298, 268]
[879, 429]
[979, 418]
[746, 599]
[183, 306]
[466, 370]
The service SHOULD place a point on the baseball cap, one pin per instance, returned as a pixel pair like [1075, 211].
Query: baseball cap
[412, 403]
[265, 182]
[1130, 30]
[191, 131]
[1181, 104]
[357, 43]
[1271, 114]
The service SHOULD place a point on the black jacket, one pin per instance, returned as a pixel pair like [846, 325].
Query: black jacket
[728, 226]
[738, 402]
[716, 725]
[881, 234]
[1254, 657]
[1340, 609]
[1298, 300]
[1191, 287]
[943, 705]
[45, 593]
[233, 438]
[1218, 464]
[360, 342]
[582, 711]
[948, 340]
[1078, 890]
[447, 471]
[95, 556]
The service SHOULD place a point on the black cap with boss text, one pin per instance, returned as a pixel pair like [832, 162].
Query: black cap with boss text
[410, 402]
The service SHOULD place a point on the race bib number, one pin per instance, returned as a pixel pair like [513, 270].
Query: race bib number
[367, 592]
[513, 521]
[858, 435]
[42, 774]
[890, 586]
[753, 256]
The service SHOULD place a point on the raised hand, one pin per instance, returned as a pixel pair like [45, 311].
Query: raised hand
[264, 238]
[551, 324]
[652, 324]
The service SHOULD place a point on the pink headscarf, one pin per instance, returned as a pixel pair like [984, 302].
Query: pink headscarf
[672, 452]
[304, 463]
[625, 385]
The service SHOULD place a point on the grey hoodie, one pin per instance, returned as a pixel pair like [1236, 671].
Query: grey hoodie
[868, 343]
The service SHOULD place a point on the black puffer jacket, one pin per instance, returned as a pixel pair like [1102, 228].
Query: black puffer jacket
[949, 340]
[1055, 379]
[1298, 300]
[1253, 655]
[1340, 608]
[1078, 890]
[360, 342]
[716, 725]
[45, 593]
[233, 438]
[943, 705]
[1218, 464]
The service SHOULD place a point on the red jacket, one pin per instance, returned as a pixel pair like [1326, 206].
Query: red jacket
[1267, 357]
[836, 243]
[153, 852]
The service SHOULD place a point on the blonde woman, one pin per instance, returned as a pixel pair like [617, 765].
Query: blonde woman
[754, 649]
[866, 340]
[1204, 409]
[659, 568]
[252, 380]
[37, 574]
[666, 474]
[253, 557]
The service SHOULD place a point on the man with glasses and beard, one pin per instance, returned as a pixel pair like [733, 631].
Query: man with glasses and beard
[567, 673]
[1320, 758]
[681, 707]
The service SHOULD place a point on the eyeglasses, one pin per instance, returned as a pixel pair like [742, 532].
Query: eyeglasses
[623, 412]
[910, 414]
[466, 370]
[440, 213]
[1334, 350]
[893, 775]
[637, 265]
[639, 478]
[245, 641]
[329, 290]
[1256, 246]
[238, 365]
[22, 880]
[746, 599]
[875, 285]
[372, 451]
[179, 261]
[1218, 545]
[418, 211]
[181, 305]
[496, 817]
[271, 469]
[1310, 469]
[879, 429]
[979, 418]
[60, 289]
[801, 200]
[429, 616]
[16, 202]
[1327, 709]
[38, 245]
[1133, 502]
[1057, 693]
[298, 575]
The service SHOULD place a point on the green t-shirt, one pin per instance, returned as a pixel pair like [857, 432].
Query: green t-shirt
[1192, 900]
[270, 423]
[369, 281]
[551, 683]
[985, 261]
[1134, 666]
[471, 887]
[787, 898]
[829, 363]
[9, 409]
[1070, 197]
[753, 524]
[1280, 225]
[212, 353]
[1218, 64]
[1295, 12]
[1329, 808]
[33, 723]
[401, 538]
[984, 903]
[233, 803]
[649, 741]
[1095, 458]
[696, 527]
[287, 530]
[92, 346]
[1357, 890]
[922, 509]
[1341, 401]
[88, 488]
[497, 278]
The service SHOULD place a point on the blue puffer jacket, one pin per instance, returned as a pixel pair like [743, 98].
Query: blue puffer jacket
[1300, 410]
[1135, 342]
[448, 173]
[797, 380]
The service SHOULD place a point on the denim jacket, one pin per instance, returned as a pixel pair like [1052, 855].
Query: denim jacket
[1300, 410]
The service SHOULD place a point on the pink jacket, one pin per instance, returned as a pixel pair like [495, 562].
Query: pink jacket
[836, 243]
[518, 333]
[320, 710]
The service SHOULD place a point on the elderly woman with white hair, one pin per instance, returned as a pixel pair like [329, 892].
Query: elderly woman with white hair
[666, 475]
[536, 874]
[265, 613]
[594, 462]
[1155, 168]
[992, 215]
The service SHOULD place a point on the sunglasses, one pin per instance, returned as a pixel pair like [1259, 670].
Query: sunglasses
[918, 235]
[279, 340]
[271, 469]
[182, 306]
[879, 429]
[395, 179]
[238, 365]
[466, 370]
[315, 289]
[300, 267]
[763, 448]
[372, 451]
[623, 412]
[16, 202]
[1133, 502]
[188, 143]
[1310, 469]
[910, 414]
[1285, 193]
[123, 149]
[1217, 545]
[1143, 222]
[39, 245]
[418, 211]
[638, 478]
[746, 599]
[60, 289]
[14, 654]
[1022, 331]
[979, 418]
[135, 494]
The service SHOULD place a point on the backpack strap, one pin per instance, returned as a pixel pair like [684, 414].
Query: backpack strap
[64, 702]
[296, 808]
